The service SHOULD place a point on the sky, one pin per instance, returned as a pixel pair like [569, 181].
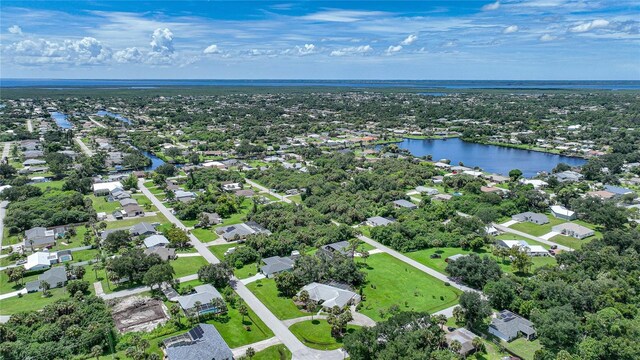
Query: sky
[417, 40]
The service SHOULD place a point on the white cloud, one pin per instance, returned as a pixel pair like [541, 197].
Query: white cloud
[352, 50]
[86, 51]
[450, 43]
[129, 55]
[393, 49]
[547, 38]
[306, 49]
[212, 49]
[15, 29]
[162, 41]
[409, 40]
[589, 25]
[492, 6]
[510, 29]
[344, 16]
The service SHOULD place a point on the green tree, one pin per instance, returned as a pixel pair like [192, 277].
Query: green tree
[216, 274]
[158, 274]
[475, 309]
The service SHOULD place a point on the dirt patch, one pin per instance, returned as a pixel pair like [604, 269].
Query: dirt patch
[136, 313]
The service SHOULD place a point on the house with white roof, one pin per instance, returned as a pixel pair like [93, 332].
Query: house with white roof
[101, 189]
[329, 296]
[156, 240]
[561, 212]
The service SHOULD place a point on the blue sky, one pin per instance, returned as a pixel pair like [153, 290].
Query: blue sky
[504, 39]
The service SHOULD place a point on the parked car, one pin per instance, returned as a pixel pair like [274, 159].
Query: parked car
[21, 262]
[554, 247]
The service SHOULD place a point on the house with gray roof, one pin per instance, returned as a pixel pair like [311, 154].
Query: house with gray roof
[464, 337]
[38, 237]
[573, 230]
[203, 295]
[164, 253]
[155, 240]
[143, 228]
[275, 265]
[535, 218]
[378, 221]
[55, 277]
[33, 162]
[329, 296]
[203, 342]
[568, 176]
[404, 204]
[508, 326]
[340, 247]
[241, 231]
[617, 190]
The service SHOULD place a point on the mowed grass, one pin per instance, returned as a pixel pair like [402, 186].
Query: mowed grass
[219, 250]
[276, 352]
[524, 348]
[101, 205]
[56, 184]
[282, 307]
[30, 302]
[392, 282]
[204, 235]
[7, 287]
[237, 332]
[535, 229]
[159, 218]
[316, 334]
[184, 266]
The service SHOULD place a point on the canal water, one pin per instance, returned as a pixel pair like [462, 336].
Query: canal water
[118, 117]
[62, 120]
[490, 158]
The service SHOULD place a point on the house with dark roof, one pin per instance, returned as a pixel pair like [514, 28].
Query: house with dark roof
[38, 237]
[508, 326]
[55, 277]
[164, 253]
[142, 228]
[132, 210]
[341, 247]
[241, 231]
[203, 342]
[618, 191]
[535, 218]
[275, 265]
[404, 204]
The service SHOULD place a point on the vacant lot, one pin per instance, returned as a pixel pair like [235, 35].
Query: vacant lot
[316, 334]
[282, 307]
[392, 282]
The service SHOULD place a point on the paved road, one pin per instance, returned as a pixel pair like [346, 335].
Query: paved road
[83, 146]
[528, 236]
[96, 122]
[12, 294]
[3, 213]
[5, 150]
[415, 264]
[29, 126]
[448, 312]
[259, 346]
[262, 188]
[297, 348]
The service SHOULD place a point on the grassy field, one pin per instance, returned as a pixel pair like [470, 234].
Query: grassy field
[524, 348]
[159, 218]
[316, 334]
[276, 352]
[282, 307]
[7, 287]
[424, 257]
[392, 282]
[184, 266]
[56, 184]
[246, 271]
[535, 229]
[204, 235]
[101, 205]
[219, 250]
[30, 302]
[237, 332]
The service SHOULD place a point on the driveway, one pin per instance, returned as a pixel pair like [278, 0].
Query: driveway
[264, 189]
[534, 238]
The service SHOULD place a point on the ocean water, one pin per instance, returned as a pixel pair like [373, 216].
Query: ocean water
[412, 84]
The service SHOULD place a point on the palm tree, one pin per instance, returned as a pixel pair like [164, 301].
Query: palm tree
[455, 346]
[96, 351]
[243, 310]
[478, 344]
[174, 310]
[250, 353]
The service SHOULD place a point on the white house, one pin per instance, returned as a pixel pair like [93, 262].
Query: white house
[105, 188]
[561, 212]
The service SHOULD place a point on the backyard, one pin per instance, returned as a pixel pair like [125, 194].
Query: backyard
[282, 307]
[316, 334]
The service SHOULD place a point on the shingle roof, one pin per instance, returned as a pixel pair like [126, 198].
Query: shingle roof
[155, 240]
[203, 342]
[276, 264]
[204, 294]
[330, 296]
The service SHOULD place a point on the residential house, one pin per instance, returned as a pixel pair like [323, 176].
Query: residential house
[464, 337]
[142, 228]
[537, 184]
[214, 219]
[156, 240]
[329, 296]
[498, 179]
[164, 253]
[102, 189]
[618, 191]
[38, 237]
[33, 154]
[245, 193]
[56, 277]
[341, 247]
[125, 202]
[118, 194]
[241, 231]
[508, 326]
[561, 212]
[535, 218]
[275, 265]
[203, 342]
[404, 204]
[531, 250]
[200, 300]
[132, 210]
[427, 190]
[184, 196]
[40, 260]
[573, 230]
[378, 221]
[231, 186]
[601, 194]
[568, 176]
[442, 197]
[33, 162]
[492, 189]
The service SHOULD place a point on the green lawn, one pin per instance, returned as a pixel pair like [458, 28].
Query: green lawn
[159, 218]
[296, 199]
[316, 334]
[282, 307]
[102, 205]
[276, 352]
[392, 282]
[57, 184]
[7, 287]
[524, 348]
[238, 333]
[508, 236]
[184, 266]
[84, 255]
[535, 229]
[204, 235]
[246, 271]
[30, 302]
[424, 257]
[219, 250]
